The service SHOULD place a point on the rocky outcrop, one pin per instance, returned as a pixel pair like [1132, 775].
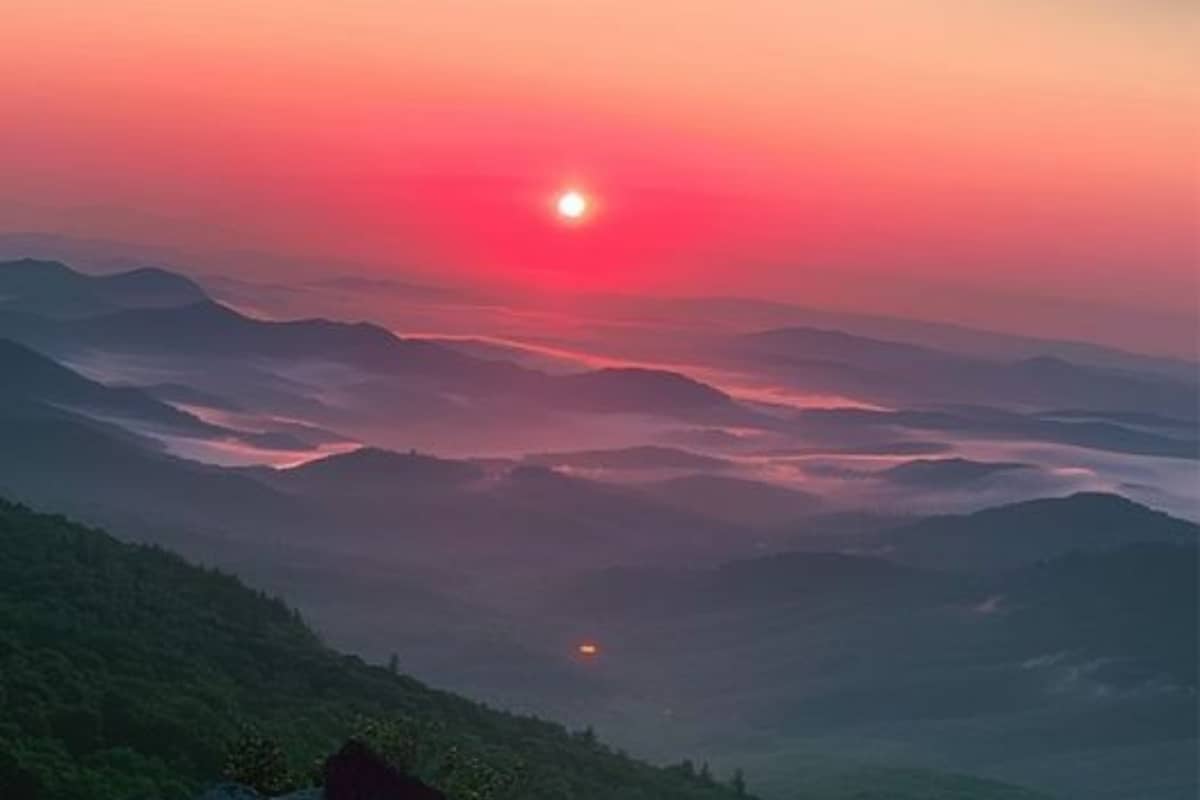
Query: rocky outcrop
[352, 773]
[356, 773]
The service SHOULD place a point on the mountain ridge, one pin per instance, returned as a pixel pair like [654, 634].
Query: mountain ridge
[54, 288]
[175, 658]
[1033, 530]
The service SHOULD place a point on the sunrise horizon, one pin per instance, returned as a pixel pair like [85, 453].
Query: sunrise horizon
[754, 156]
[599, 399]
[1147, 331]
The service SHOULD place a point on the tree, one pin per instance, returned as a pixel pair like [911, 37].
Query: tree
[17, 782]
[738, 782]
[258, 762]
[92, 630]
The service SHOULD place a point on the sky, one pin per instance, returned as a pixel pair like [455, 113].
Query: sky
[1025, 165]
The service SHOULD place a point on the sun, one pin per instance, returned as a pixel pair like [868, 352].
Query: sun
[572, 204]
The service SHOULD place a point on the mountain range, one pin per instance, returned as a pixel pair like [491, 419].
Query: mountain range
[934, 570]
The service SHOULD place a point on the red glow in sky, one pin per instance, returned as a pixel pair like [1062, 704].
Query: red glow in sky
[1023, 166]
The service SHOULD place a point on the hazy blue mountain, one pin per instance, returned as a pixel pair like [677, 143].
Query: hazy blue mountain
[946, 472]
[1129, 608]
[1051, 640]
[635, 390]
[211, 329]
[154, 720]
[738, 588]
[208, 330]
[515, 353]
[1025, 533]
[842, 424]
[1089, 658]
[58, 459]
[1133, 418]
[579, 523]
[522, 520]
[812, 345]
[369, 469]
[189, 395]
[746, 314]
[642, 457]
[754, 315]
[737, 501]
[90, 253]
[331, 553]
[32, 376]
[54, 289]
[897, 373]
[35, 379]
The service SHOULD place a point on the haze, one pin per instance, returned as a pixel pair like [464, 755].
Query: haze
[1015, 166]
[598, 399]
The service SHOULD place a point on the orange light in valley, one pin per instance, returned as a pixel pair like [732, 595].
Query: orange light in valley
[589, 649]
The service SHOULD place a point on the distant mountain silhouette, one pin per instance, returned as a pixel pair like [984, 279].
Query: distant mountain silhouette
[158, 314]
[57, 459]
[36, 380]
[734, 500]
[188, 395]
[1024, 533]
[1044, 639]
[34, 377]
[646, 457]
[60, 311]
[53, 456]
[946, 472]
[209, 328]
[587, 523]
[818, 346]
[54, 289]
[841, 424]
[750, 314]
[372, 469]
[508, 514]
[739, 587]
[1156, 421]
[635, 390]
[901, 374]
[1130, 601]
[1083, 657]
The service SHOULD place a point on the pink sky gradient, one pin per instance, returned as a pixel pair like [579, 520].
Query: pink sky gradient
[1019, 165]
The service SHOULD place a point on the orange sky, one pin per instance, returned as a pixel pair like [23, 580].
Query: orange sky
[1013, 163]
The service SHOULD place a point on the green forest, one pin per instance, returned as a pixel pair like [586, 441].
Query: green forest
[126, 672]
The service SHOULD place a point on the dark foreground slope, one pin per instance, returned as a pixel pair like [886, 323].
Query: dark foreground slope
[125, 671]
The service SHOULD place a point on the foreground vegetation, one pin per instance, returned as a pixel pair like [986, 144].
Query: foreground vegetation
[126, 672]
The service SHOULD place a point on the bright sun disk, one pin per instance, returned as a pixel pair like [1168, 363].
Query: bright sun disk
[572, 204]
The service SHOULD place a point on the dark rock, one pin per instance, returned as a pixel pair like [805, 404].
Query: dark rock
[357, 773]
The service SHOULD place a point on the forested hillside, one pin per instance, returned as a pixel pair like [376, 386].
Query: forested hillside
[126, 672]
